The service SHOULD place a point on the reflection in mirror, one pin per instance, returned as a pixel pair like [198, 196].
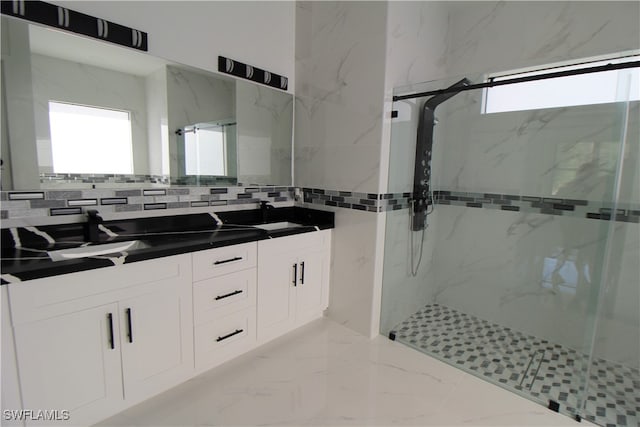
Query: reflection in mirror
[81, 113]
[207, 153]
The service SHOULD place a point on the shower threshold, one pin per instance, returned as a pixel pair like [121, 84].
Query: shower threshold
[545, 372]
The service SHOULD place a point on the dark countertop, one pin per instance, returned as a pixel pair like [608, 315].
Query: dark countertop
[25, 257]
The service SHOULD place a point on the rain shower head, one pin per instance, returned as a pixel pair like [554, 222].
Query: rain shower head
[447, 93]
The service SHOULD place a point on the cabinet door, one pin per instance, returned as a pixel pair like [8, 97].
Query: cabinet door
[276, 290]
[309, 291]
[72, 362]
[157, 340]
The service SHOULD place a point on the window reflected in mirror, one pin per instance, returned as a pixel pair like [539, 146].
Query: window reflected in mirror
[87, 140]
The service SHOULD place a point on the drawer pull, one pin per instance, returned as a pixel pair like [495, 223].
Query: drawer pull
[302, 273]
[219, 297]
[238, 331]
[224, 261]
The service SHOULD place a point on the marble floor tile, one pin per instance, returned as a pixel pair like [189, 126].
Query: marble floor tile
[326, 374]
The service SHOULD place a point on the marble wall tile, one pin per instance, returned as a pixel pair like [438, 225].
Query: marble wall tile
[491, 262]
[195, 98]
[534, 272]
[264, 120]
[489, 36]
[353, 255]
[340, 68]
[340, 75]
[403, 293]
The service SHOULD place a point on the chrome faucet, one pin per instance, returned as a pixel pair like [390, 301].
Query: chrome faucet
[93, 221]
[265, 207]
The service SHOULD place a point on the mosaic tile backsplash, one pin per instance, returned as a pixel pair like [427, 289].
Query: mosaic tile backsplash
[19, 204]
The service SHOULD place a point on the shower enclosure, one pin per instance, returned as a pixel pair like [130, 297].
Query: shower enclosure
[528, 270]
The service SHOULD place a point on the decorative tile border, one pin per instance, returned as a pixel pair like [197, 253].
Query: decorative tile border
[371, 202]
[16, 204]
[50, 180]
[544, 205]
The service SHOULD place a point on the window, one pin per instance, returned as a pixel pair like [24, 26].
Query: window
[205, 151]
[90, 140]
[580, 89]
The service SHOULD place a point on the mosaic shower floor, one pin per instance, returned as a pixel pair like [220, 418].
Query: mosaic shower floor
[544, 371]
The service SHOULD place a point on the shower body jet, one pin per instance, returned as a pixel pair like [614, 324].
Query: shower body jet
[424, 146]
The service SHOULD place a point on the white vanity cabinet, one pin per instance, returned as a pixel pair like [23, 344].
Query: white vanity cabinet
[224, 303]
[95, 342]
[293, 286]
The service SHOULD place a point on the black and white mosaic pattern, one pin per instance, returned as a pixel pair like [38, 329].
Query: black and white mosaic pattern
[543, 371]
[370, 202]
[543, 205]
[21, 204]
[384, 202]
[36, 203]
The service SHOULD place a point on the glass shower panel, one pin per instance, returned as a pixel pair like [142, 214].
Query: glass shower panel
[512, 257]
[612, 396]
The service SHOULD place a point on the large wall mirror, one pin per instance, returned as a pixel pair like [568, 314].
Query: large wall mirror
[82, 113]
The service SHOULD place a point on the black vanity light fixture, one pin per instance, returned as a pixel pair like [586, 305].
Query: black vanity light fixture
[59, 17]
[249, 72]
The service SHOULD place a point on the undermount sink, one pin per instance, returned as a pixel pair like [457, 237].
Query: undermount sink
[278, 225]
[95, 250]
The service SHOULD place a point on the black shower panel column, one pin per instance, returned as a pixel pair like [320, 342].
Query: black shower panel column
[424, 147]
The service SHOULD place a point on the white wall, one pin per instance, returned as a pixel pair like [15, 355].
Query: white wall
[260, 33]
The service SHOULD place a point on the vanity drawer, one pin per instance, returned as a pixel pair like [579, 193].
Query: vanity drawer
[223, 295]
[224, 338]
[225, 260]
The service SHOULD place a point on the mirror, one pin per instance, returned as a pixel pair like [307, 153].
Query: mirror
[81, 113]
